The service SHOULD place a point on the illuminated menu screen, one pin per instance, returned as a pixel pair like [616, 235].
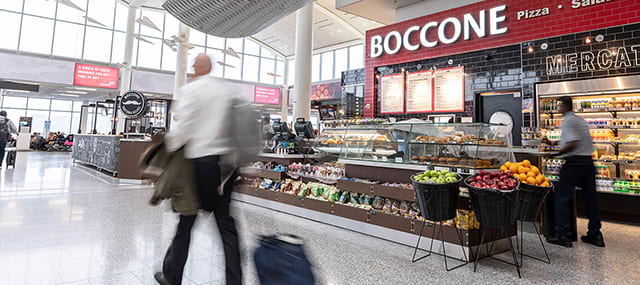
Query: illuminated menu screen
[449, 90]
[419, 92]
[95, 76]
[392, 94]
[266, 95]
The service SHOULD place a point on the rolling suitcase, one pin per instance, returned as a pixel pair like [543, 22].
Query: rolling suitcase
[11, 158]
[282, 260]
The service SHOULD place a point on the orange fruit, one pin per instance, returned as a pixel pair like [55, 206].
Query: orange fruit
[545, 184]
[507, 164]
[546, 180]
[504, 168]
[531, 180]
[518, 164]
[531, 174]
[513, 168]
[522, 177]
[535, 170]
[522, 170]
[539, 179]
[526, 163]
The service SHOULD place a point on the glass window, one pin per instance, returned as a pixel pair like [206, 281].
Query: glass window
[235, 44]
[315, 68]
[197, 37]
[97, 44]
[149, 53]
[342, 62]
[36, 35]
[327, 66]
[42, 8]
[291, 73]
[157, 18]
[233, 71]
[251, 47]
[40, 104]
[267, 53]
[68, 40]
[216, 55]
[280, 71]
[61, 105]
[266, 66]
[356, 57]
[171, 26]
[14, 102]
[60, 122]
[215, 42]
[250, 68]
[75, 123]
[12, 5]
[104, 120]
[69, 13]
[121, 16]
[101, 11]
[37, 121]
[169, 58]
[10, 32]
[77, 106]
[117, 51]
[14, 115]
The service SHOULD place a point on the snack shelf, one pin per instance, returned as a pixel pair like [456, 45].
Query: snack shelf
[596, 128]
[399, 193]
[466, 170]
[262, 173]
[618, 161]
[607, 110]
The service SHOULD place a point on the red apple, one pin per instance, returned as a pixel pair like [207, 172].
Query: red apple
[482, 172]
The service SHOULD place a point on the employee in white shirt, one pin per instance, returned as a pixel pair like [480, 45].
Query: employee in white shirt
[200, 126]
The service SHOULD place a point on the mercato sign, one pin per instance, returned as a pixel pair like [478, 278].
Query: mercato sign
[461, 27]
[593, 61]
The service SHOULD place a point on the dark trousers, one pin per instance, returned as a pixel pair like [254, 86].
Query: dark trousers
[3, 145]
[578, 171]
[207, 172]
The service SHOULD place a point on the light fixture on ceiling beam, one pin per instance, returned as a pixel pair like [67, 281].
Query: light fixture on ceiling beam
[140, 38]
[75, 92]
[170, 43]
[224, 64]
[230, 52]
[68, 95]
[92, 20]
[17, 90]
[82, 88]
[145, 21]
[182, 41]
[70, 4]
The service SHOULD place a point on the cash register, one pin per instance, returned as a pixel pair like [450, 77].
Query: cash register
[304, 132]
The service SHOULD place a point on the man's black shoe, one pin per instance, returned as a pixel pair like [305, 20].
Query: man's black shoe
[159, 276]
[562, 241]
[595, 240]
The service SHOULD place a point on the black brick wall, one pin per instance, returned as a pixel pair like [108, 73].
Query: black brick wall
[500, 72]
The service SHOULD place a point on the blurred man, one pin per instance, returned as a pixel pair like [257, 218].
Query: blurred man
[201, 125]
[267, 129]
[576, 148]
[6, 129]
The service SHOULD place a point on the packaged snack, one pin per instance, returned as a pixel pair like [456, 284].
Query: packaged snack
[265, 184]
[395, 207]
[387, 205]
[304, 190]
[378, 203]
[354, 198]
[449, 223]
[463, 219]
[326, 193]
[404, 208]
[368, 199]
[343, 197]
[333, 197]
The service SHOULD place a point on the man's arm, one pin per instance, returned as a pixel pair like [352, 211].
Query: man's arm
[12, 128]
[568, 147]
[184, 118]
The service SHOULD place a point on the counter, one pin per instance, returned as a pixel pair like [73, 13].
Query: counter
[110, 153]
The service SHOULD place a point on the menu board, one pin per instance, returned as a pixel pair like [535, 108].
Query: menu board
[392, 94]
[449, 90]
[419, 92]
[266, 95]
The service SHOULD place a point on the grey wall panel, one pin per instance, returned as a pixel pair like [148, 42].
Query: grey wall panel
[31, 68]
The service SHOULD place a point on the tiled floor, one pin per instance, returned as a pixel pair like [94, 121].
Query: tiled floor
[62, 223]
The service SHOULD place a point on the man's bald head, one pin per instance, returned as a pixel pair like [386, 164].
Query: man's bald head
[202, 65]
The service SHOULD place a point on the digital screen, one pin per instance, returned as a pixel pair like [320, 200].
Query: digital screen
[327, 114]
[266, 95]
[326, 91]
[95, 76]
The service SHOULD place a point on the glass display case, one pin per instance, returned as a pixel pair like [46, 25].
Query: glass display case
[453, 145]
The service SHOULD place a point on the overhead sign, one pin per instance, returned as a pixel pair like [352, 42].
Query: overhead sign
[326, 91]
[458, 27]
[133, 104]
[266, 95]
[392, 94]
[95, 76]
[588, 61]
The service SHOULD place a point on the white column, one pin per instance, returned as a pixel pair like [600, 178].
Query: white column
[284, 106]
[181, 60]
[128, 58]
[84, 119]
[304, 48]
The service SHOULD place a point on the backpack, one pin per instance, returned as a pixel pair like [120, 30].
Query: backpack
[4, 128]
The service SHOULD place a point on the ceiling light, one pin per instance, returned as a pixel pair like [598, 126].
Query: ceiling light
[587, 40]
[83, 88]
[68, 95]
[75, 92]
[16, 90]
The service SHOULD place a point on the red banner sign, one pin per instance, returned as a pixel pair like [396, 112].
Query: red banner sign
[266, 95]
[96, 76]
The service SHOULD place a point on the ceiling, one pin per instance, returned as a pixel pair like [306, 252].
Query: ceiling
[383, 11]
[332, 27]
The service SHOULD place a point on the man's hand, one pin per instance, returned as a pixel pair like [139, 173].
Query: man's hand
[545, 140]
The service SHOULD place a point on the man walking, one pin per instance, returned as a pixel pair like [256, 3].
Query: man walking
[6, 129]
[200, 125]
[576, 147]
